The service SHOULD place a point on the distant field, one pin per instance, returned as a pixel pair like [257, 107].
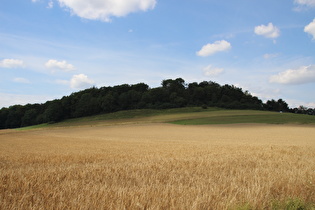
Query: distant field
[139, 162]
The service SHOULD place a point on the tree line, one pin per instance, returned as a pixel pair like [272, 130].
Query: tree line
[171, 94]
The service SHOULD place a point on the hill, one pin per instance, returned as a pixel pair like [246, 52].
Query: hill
[171, 94]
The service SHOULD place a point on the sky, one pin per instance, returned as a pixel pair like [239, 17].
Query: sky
[52, 48]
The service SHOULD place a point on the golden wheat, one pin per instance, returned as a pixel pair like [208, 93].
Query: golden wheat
[157, 166]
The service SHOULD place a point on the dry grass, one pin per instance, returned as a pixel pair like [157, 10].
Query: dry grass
[157, 166]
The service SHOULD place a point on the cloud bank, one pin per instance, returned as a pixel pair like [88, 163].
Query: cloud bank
[105, 9]
[11, 63]
[210, 49]
[302, 75]
[310, 28]
[268, 31]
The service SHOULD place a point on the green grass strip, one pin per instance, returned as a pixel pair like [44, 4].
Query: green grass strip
[267, 118]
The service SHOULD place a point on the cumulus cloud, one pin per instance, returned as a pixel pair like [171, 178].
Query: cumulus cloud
[302, 75]
[212, 71]
[269, 31]
[11, 63]
[80, 81]
[61, 65]
[310, 28]
[310, 3]
[21, 80]
[105, 9]
[211, 49]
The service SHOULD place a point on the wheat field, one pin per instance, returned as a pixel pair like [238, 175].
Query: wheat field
[158, 166]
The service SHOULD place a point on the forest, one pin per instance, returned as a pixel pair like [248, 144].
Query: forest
[172, 93]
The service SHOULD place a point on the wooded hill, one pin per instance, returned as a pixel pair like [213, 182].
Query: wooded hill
[171, 94]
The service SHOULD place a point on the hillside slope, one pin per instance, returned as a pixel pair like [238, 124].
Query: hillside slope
[185, 116]
[172, 94]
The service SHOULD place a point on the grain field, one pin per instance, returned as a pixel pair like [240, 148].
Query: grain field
[158, 166]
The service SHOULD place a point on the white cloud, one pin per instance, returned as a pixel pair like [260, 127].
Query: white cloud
[11, 63]
[62, 65]
[80, 81]
[269, 31]
[212, 71]
[104, 9]
[310, 28]
[310, 3]
[21, 80]
[302, 75]
[217, 46]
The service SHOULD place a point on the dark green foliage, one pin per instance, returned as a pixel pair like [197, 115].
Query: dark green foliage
[172, 94]
[53, 112]
[14, 116]
[108, 102]
[87, 105]
[3, 117]
[29, 117]
[279, 105]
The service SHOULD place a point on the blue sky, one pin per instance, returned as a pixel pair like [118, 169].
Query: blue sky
[51, 48]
